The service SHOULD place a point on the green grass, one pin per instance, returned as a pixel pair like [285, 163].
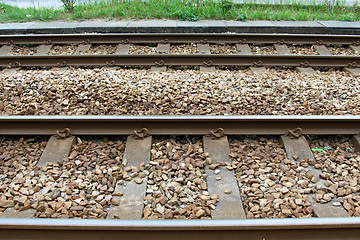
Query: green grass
[183, 10]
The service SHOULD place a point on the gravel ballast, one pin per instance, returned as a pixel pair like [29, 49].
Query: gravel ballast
[268, 180]
[80, 187]
[339, 163]
[176, 187]
[183, 49]
[62, 50]
[141, 49]
[18, 159]
[177, 92]
[220, 48]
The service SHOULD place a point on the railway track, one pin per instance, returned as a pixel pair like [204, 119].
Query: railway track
[331, 218]
[219, 167]
[242, 45]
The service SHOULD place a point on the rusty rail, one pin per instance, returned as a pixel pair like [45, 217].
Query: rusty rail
[178, 125]
[179, 60]
[180, 38]
[311, 228]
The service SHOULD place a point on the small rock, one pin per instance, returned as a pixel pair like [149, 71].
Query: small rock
[217, 171]
[6, 203]
[160, 209]
[77, 208]
[200, 213]
[95, 193]
[117, 193]
[228, 191]
[115, 202]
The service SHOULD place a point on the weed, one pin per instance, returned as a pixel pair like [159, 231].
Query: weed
[69, 5]
[186, 15]
[226, 5]
[316, 149]
[182, 10]
[320, 150]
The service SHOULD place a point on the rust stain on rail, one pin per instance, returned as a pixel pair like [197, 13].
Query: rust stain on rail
[179, 38]
[172, 125]
[178, 60]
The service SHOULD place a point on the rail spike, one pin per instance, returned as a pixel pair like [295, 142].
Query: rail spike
[62, 64]
[281, 41]
[258, 64]
[62, 134]
[208, 63]
[10, 43]
[217, 134]
[110, 64]
[139, 135]
[165, 41]
[352, 65]
[14, 65]
[160, 63]
[87, 41]
[296, 133]
[305, 64]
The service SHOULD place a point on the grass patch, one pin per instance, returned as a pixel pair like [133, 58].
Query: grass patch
[184, 10]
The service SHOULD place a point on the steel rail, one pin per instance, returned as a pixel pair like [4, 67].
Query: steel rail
[178, 125]
[179, 38]
[310, 228]
[179, 60]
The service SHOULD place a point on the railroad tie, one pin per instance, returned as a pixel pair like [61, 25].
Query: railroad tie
[7, 70]
[353, 71]
[131, 203]
[355, 48]
[44, 49]
[204, 48]
[207, 69]
[4, 50]
[122, 48]
[223, 183]
[306, 70]
[12, 213]
[158, 68]
[243, 49]
[163, 48]
[83, 48]
[299, 147]
[57, 150]
[59, 69]
[282, 49]
[322, 50]
[259, 70]
[356, 142]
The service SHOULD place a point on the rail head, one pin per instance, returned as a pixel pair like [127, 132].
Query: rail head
[179, 38]
[188, 224]
[178, 125]
[310, 228]
[101, 60]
